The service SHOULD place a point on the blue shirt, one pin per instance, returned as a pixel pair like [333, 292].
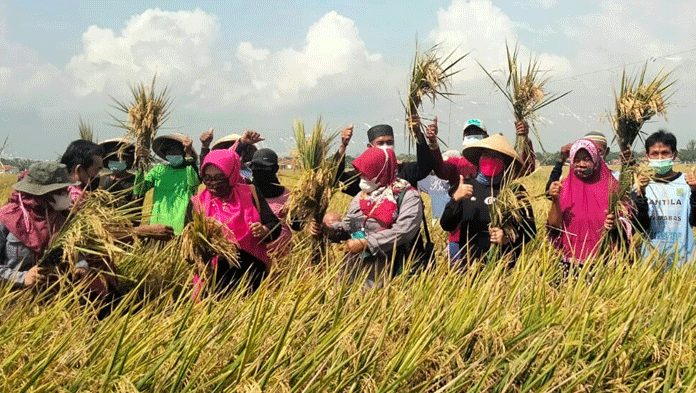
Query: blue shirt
[437, 189]
[670, 233]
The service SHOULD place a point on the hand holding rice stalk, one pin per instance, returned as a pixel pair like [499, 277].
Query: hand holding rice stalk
[508, 208]
[204, 238]
[312, 193]
[525, 90]
[430, 78]
[146, 113]
[637, 101]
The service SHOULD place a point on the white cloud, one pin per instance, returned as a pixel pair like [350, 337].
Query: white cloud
[333, 50]
[175, 45]
[482, 28]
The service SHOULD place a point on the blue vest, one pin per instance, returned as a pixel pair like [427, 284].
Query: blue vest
[670, 232]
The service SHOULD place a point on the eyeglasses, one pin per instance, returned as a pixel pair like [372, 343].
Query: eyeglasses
[214, 179]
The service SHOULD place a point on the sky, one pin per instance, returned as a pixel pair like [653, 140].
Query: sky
[262, 65]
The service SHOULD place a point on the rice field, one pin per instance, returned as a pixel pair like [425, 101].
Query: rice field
[625, 328]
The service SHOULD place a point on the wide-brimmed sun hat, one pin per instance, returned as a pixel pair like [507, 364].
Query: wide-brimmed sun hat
[112, 147]
[496, 143]
[45, 177]
[225, 142]
[159, 143]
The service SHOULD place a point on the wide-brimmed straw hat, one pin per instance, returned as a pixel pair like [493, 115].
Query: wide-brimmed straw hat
[45, 177]
[225, 142]
[113, 146]
[160, 142]
[496, 143]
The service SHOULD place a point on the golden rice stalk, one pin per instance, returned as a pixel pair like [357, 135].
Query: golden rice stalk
[430, 78]
[525, 89]
[637, 101]
[507, 209]
[95, 230]
[317, 183]
[86, 130]
[203, 238]
[145, 114]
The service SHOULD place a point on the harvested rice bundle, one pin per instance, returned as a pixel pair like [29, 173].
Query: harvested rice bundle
[205, 238]
[317, 183]
[526, 92]
[145, 114]
[430, 78]
[636, 102]
[96, 230]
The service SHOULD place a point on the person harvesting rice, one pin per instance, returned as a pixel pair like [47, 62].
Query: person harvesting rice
[469, 210]
[245, 148]
[672, 202]
[83, 160]
[579, 209]
[36, 210]
[264, 167]
[174, 183]
[385, 216]
[244, 213]
[119, 157]
[454, 167]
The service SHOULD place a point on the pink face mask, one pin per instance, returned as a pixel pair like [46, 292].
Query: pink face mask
[491, 167]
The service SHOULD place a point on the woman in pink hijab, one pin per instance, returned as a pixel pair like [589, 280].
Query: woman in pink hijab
[244, 211]
[385, 216]
[579, 210]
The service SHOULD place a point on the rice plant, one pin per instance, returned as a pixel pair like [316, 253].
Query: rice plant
[147, 111]
[85, 130]
[431, 75]
[526, 91]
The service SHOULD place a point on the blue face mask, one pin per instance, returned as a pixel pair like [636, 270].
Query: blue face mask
[175, 160]
[117, 166]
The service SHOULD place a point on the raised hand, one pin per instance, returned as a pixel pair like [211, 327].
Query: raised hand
[250, 137]
[522, 128]
[431, 134]
[207, 138]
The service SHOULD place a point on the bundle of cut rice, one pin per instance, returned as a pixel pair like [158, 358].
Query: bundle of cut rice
[202, 239]
[317, 184]
[526, 92]
[145, 114]
[430, 78]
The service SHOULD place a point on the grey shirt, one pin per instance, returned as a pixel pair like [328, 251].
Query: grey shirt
[15, 258]
[382, 241]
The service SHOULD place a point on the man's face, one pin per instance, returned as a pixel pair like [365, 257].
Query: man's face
[383, 141]
[660, 151]
[86, 175]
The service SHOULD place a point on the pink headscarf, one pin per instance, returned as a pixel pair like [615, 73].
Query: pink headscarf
[380, 166]
[237, 210]
[584, 203]
[31, 220]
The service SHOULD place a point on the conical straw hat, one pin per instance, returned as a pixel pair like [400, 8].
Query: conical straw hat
[159, 142]
[112, 146]
[225, 142]
[496, 143]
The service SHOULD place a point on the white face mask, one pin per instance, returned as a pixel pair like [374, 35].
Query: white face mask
[368, 185]
[661, 166]
[61, 202]
[471, 139]
[117, 166]
[386, 147]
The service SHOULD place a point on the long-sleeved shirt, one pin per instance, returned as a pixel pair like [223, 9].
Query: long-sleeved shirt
[174, 187]
[473, 217]
[15, 258]
[382, 241]
[412, 172]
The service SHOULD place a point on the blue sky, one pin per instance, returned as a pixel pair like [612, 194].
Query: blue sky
[243, 65]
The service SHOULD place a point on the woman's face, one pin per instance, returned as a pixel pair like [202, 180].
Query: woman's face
[216, 181]
[583, 165]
